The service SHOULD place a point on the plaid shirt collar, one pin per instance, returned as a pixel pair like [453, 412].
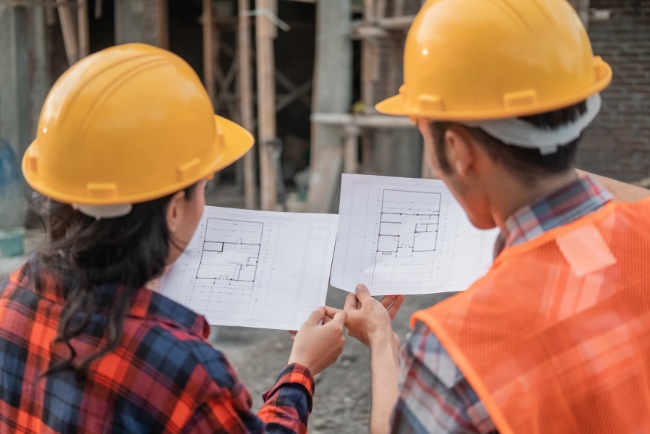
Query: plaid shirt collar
[569, 203]
[147, 304]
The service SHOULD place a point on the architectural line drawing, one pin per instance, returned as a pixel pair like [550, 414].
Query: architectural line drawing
[255, 268]
[407, 236]
[230, 254]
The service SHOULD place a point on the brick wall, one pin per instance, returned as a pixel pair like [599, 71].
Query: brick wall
[618, 142]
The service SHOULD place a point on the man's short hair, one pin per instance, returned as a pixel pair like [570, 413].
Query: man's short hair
[525, 163]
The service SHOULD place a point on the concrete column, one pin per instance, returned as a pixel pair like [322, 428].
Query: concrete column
[141, 21]
[24, 73]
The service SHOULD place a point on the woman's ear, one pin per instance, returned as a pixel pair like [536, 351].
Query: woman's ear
[459, 148]
[175, 212]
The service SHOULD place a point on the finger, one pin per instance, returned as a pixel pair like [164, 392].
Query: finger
[293, 332]
[326, 319]
[350, 302]
[331, 311]
[387, 300]
[339, 319]
[362, 293]
[392, 310]
[316, 316]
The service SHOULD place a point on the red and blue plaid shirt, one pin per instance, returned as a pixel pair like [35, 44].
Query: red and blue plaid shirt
[164, 377]
[435, 397]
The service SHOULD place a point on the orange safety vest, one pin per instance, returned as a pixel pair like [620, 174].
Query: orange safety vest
[555, 338]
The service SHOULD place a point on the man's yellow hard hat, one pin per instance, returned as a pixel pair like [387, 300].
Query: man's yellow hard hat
[490, 59]
[128, 124]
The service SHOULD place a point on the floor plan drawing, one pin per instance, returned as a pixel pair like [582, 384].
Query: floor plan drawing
[255, 268]
[230, 254]
[407, 236]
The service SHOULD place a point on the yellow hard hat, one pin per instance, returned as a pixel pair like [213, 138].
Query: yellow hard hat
[490, 59]
[128, 124]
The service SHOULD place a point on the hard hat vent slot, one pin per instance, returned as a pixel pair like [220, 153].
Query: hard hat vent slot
[520, 99]
[430, 102]
[101, 190]
[33, 163]
[189, 170]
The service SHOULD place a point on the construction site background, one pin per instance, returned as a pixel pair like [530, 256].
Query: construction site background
[35, 53]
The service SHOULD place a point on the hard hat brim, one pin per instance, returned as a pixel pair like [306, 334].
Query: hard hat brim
[393, 106]
[237, 141]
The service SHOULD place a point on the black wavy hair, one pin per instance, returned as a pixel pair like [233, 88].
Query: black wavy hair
[85, 254]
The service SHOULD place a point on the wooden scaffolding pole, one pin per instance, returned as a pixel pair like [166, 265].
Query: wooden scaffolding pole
[208, 49]
[266, 32]
[82, 25]
[246, 100]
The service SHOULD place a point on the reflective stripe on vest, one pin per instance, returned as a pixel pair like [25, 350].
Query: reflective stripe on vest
[555, 338]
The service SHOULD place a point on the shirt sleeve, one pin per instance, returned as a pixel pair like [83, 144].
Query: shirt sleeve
[224, 404]
[288, 404]
[434, 396]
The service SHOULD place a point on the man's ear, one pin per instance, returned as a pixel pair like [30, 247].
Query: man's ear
[460, 150]
[175, 212]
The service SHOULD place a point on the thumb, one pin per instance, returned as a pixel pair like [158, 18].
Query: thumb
[316, 316]
[362, 293]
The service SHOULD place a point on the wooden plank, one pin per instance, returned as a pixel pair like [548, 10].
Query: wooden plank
[265, 34]
[246, 100]
[364, 121]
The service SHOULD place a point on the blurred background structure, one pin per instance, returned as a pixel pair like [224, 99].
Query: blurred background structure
[303, 75]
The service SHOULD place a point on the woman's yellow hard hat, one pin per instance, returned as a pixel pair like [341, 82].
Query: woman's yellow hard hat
[491, 59]
[128, 124]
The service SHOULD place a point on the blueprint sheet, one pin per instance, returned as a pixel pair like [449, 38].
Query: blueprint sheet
[255, 268]
[406, 236]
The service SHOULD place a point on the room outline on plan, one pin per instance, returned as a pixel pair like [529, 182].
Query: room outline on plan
[407, 236]
[230, 253]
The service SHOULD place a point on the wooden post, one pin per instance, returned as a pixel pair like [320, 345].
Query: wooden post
[331, 94]
[82, 25]
[69, 33]
[266, 32]
[208, 49]
[246, 100]
[351, 158]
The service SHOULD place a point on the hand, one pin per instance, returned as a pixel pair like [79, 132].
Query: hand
[368, 319]
[318, 346]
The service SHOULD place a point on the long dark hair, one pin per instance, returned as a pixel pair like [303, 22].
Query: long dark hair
[85, 254]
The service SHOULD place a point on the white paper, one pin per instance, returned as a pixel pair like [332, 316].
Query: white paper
[406, 236]
[255, 268]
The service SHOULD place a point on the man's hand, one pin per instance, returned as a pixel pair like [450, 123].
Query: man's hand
[369, 320]
[318, 346]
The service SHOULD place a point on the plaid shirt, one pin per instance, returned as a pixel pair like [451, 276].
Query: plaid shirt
[163, 377]
[435, 397]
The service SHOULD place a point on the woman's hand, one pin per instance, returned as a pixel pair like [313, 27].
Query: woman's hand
[368, 319]
[318, 346]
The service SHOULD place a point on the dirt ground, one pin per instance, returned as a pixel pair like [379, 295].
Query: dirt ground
[342, 399]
